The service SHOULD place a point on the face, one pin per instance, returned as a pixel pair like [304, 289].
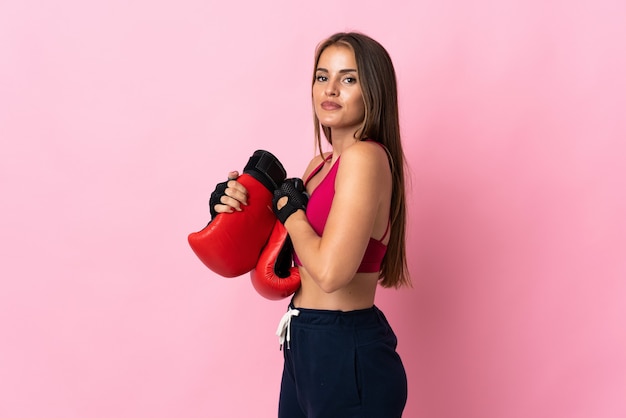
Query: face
[337, 96]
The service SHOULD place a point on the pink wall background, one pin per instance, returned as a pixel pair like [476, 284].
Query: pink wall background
[118, 117]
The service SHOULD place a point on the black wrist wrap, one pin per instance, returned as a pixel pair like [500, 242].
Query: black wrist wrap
[220, 190]
[266, 168]
[297, 198]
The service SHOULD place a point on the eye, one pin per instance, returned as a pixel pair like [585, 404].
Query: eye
[350, 80]
[321, 78]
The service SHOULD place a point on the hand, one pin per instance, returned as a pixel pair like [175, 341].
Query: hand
[289, 198]
[228, 196]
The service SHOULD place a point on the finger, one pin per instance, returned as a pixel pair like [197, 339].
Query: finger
[233, 175]
[219, 208]
[231, 202]
[237, 191]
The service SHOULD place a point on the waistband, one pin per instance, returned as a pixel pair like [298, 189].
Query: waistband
[363, 326]
[359, 318]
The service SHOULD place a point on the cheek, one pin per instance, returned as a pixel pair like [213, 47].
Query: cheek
[359, 108]
[316, 94]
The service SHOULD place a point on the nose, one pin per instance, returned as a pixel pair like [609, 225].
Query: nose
[331, 89]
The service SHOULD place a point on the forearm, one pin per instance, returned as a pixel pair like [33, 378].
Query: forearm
[320, 261]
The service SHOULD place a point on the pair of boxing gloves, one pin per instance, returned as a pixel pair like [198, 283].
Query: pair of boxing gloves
[254, 239]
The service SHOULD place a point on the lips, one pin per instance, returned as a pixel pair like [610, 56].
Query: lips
[326, 105]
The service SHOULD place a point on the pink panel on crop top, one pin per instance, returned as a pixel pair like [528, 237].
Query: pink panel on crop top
[317, 212]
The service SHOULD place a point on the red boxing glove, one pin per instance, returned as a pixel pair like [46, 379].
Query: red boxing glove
[275, 277]
[231, 243]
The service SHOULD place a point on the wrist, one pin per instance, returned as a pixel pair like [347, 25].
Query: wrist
[294, 218]
[290, 198]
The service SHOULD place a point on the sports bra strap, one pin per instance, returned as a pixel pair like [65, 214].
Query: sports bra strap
[386, 232]
[317, 169]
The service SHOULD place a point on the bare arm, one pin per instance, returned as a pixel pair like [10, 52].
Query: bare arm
[333, 259]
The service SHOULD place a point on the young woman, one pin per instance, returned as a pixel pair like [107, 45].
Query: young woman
[340, 352]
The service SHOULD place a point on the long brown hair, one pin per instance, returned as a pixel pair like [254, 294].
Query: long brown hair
[381, 124]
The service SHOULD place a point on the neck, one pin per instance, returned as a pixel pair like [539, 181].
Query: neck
[341, 141]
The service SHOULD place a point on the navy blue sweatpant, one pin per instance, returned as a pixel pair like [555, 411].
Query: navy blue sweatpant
[342, 365]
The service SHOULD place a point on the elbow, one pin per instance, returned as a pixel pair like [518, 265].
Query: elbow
[330, 281]
[328, 286]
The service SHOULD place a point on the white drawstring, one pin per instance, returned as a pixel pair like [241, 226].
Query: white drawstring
[284, 327]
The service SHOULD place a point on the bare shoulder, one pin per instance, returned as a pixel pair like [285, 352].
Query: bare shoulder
[366, 155]
[364, 170]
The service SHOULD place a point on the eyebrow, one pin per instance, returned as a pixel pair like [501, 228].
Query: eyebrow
[346, 70]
